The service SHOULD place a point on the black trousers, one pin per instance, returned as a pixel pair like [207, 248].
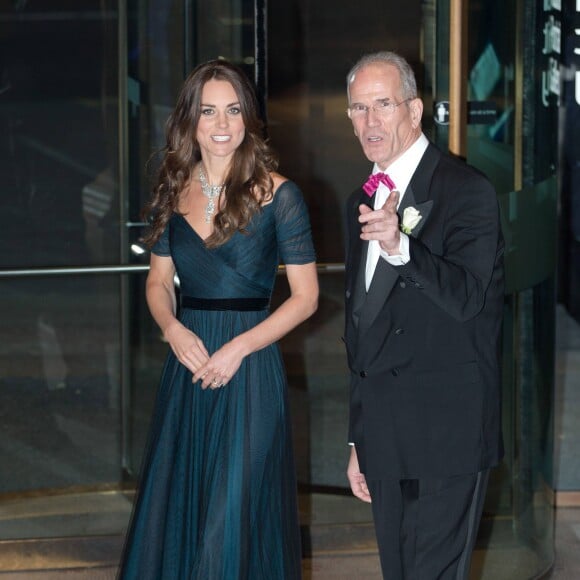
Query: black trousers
[426, 528]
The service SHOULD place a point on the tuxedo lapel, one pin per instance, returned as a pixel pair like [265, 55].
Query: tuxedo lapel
[421, 180]
[417, 194]
[385, 275]
[359, 250]
[407, 201]
[423, 208]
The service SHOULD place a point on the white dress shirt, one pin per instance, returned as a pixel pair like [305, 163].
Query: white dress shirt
[400, 171]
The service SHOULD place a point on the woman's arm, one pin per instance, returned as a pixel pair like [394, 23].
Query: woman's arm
[160, 294]
[300, 305]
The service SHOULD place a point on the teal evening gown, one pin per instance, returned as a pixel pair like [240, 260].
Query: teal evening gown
[217, 491]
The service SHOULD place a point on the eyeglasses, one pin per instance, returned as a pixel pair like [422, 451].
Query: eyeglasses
[382, 107]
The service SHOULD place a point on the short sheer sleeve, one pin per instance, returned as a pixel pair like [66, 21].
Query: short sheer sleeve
[161, 246]
[293, 225]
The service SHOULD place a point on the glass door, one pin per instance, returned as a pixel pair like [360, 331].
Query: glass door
[510, 136]
[60, 340]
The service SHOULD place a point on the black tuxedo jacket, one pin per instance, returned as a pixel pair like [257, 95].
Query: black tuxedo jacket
[423, 343]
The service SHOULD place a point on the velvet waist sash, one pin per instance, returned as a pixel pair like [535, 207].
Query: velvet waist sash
[241, 304]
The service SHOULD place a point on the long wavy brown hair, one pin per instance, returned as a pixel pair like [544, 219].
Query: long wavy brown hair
[247, 185]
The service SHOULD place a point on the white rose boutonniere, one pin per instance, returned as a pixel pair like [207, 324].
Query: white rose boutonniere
[411, 217]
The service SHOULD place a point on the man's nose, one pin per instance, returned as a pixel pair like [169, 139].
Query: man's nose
[372, 117]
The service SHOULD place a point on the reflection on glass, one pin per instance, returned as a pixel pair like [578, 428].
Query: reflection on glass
[59, 389]
[59, 338]
[517, 530]
[58, 136]
[225, 29]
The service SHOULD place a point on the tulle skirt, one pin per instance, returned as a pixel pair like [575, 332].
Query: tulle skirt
[217, 493]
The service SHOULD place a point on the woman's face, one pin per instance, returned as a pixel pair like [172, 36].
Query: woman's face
[220, 129]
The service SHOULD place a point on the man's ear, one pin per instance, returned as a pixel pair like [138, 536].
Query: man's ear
[416, 109]
[348, 115]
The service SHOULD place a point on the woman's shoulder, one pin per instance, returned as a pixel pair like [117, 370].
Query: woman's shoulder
[277, 180]
[284, 188]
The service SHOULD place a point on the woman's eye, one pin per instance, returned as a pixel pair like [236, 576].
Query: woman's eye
[235, 111]
[207, 111]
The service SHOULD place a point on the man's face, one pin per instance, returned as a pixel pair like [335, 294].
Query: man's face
[383, 133]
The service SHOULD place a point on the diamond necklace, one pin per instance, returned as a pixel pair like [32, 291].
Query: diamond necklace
[212, 192]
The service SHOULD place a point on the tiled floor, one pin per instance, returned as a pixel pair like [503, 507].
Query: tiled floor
[359, 562]
[567, 405]
[567, 446]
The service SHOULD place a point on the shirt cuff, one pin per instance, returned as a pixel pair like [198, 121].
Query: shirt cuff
[403, 256]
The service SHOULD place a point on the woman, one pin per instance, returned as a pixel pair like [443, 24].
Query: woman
[217, 496]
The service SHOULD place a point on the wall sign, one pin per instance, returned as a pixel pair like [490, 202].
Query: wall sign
[478, 112]
[441, 112]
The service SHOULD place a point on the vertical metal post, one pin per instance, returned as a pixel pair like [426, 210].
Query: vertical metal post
[123, 128]
[261, 55]
[188, 44]
[458, 78]
[519, 98]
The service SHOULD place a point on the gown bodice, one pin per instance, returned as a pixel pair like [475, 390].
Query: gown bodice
[245, 266]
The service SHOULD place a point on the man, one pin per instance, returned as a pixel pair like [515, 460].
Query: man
[424, 298]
